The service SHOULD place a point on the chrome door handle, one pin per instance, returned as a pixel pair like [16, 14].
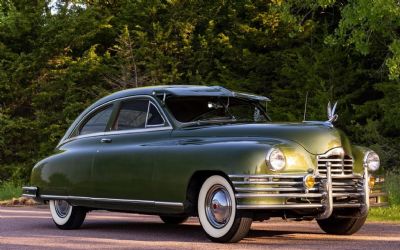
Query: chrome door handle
[105, 140]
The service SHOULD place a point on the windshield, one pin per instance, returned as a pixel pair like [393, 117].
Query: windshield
[191, 109]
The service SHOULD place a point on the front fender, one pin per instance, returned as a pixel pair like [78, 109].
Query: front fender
[181, 161]
[358, 158]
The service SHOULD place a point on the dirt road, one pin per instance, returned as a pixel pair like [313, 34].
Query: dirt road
[32, 228]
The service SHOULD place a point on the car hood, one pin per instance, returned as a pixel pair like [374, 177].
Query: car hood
[315, 137]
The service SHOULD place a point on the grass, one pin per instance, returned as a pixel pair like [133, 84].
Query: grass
[9, 190]
[391, 213]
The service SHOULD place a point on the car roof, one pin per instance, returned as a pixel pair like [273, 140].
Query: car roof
[179, 90]
[175, 90]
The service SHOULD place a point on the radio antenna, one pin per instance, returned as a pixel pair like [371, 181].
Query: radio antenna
[305, 107]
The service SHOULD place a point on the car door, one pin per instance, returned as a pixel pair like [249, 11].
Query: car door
[74, 166]
[124, 163]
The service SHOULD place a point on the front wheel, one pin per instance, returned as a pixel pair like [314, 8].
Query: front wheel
[66, 216]
[217, 211]
[341, 226]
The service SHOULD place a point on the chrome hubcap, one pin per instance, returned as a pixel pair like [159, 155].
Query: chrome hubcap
[62, 208]
[218, 206]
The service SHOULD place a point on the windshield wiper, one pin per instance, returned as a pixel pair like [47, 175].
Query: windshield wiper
[207, 121]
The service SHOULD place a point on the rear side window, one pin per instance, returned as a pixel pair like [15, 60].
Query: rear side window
[98, 121]
[138, 114]
[132, 115]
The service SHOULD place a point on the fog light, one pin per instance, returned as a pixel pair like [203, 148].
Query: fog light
[309, 181]
[371, 182]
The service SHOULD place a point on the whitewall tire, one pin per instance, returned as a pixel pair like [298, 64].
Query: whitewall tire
[217, 211]
[66, 216]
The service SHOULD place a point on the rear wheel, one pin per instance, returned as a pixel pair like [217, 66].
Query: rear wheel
[173, 219]
[218, 214]
[66, 216]
[341, 226]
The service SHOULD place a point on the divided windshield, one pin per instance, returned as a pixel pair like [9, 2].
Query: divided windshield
[196, 110]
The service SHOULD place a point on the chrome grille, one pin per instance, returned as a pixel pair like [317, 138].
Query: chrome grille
[341, 164]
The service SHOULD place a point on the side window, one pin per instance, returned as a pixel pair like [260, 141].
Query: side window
[97, 122]
[154, 118]
[132, 115]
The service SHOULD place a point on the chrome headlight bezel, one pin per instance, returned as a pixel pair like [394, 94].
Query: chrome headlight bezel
[371, 161]
[275, 159]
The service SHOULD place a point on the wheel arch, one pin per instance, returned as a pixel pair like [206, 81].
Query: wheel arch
[193, 187]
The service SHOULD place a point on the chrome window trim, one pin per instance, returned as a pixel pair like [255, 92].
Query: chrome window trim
[148, 110]
[117, 132]
[166, 126]
[128, 201]
[136, 130]
[147, 114]
[89, 116]
[155, 126]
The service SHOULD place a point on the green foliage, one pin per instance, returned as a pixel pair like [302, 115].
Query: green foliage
[391, 213]
[55, 60]
[393, 63]
[392, 187]
[9, 190]
[369, 24]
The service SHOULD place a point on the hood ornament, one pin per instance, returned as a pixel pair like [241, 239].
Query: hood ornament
[332, 117]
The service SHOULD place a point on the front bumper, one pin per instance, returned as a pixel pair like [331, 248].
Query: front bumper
[286, 191]
[31, 192]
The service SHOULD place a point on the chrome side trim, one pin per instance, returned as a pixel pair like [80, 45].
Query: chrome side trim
[296, 206]
[273, 189]
[252, 195]
[262, 176]
[110, 200]
[286, 206]
[285, 176]
[264, 182]
[165, 203]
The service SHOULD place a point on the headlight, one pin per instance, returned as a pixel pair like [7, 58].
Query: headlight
[371, 160]
[276, 159]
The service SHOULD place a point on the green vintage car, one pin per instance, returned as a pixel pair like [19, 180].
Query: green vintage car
[180, 151]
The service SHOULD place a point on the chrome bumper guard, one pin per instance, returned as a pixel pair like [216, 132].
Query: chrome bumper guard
[30, 192]
[276, 192]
